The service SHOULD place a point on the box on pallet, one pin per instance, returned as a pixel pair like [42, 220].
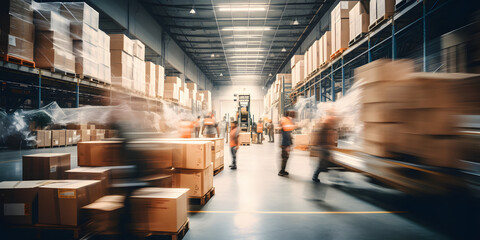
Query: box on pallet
[100, 153]
[102, 174]
[105, 212]
[159, 209]
[199, 181]
[42, 166]
[59, 202]
[192, 154]
[19, 201]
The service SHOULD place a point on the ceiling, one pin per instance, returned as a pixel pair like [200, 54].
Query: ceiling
[236, 42]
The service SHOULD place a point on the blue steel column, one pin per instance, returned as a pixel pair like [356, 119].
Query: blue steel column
[320, 88]
[39, 88]
[333, 85]
[424, 38]
[369, 50]
[343, 79]
[77, 94]
[394, 42]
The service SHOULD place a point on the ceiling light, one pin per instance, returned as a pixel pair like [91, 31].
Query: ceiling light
[270, 74]
[244, 42]
[247, 56]
[246, 29]
[245, 77]
[245, 36]
[221, 74]
[212, 56]
[193, 11]
[246, 60]
[247, 49]
[295, 22]
[241, 8]
[284, 50]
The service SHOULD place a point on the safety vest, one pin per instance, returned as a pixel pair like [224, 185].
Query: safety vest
[287, 124]
[209, 121]
[259, 127]
[186, 129]
[234, 137]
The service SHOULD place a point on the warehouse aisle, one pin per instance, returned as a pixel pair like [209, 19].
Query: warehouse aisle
[254, 203]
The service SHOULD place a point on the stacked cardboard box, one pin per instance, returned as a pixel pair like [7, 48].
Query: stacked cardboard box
[43, 166]
[159, 209]
[306, 62]
[121, 58]
[160, 80]
[382, 103]
[207, 101]
[150, 79]
[244, 138]
[58, 138]
[16, 29]
[53, 43]
[325, 48]
[380, 9]
[358, 20]
[103, 51]
[99, 153]
[192, 93]
[59, 203]
[301, 139]
[340, 25]
[43, 138]
[139, 66]
[172, 88]
[102, 174]
[298, 72]
[105, 213]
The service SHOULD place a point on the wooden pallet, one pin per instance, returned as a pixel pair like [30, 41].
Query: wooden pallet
[46, 231]
[379, 21]
[301, 147]
[178, 235]
[324, 64]
[17, 60]
[244, 144]
[218, 170]
[62, 72]
[337, 53]
[356, 39]
[204, 199]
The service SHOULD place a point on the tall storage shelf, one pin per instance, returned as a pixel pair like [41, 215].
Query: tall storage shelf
[410, 33]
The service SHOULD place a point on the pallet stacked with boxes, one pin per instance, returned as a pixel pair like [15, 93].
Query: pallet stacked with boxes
[53, 41]
[325, 48]
[160, 80]
[339, 27]
[358, 21]
[297, 66]
[17, 30]
[172, 88]
[192, 95]
[380, 10]
[150, 79]
[207, 100]
[121, 55]
[139, 67]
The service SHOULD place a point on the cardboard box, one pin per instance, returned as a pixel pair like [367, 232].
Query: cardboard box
[376, 149]
[159, 209]
[381, 112]
[198, 181]
[43, 166]
[18, 8]
[219, 159]
[105, 213]
[77, 126]
[139, 49]
[103, 174]
[60, 202]
[389, 91]
[19, 202]
[80, 12]
[55, 58]
[160, 79]
[84, 33]
[384, 70]
[71, 137]
[192, 154]
[155, 154]
[175, 80]
[295, 60]
[43, 138]
[381, 132]
[244, 137]
[150, 79]
[100, 153]
[121, 42]
[301, 139]
[442, 152]
[160, 180]
[326, 47]
[84, 135]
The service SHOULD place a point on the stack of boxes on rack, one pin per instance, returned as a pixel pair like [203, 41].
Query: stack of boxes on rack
[121, 53]
[297, 65]
[358, 21]
[192, 95]
[150, 79]
[17, 29]
[380, 10]
[172, 88]
[139, 67]
[415, 114]
[339, 26]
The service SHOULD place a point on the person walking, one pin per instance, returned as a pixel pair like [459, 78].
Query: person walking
[210, 127]
[271, 131]
[234, 144]
[196, 123]
[325, 138]
[259, 131]
[287, 125]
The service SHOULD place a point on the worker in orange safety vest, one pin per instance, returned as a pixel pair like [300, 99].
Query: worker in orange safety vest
[210, 127]
[259, 131]
[186, 128]
[287, 125]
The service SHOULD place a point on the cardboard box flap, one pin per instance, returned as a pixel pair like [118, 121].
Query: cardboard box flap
[104, 206]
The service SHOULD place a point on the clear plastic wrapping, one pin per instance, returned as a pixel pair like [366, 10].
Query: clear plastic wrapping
[150, 79]
[16, 29]
[160, 80]
[139, 75]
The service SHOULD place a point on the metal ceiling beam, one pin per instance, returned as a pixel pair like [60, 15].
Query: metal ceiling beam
[178, 18]
[283, 27]
[210, 7]
[209, 35]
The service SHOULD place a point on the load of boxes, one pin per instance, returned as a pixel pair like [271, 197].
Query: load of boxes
[297, 66]
[339, 26]
[416, 114]
[358, 21]
[381, 9]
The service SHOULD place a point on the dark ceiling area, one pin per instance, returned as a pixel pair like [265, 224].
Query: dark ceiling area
[237, 42]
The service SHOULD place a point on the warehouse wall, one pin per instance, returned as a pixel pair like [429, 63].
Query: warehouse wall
[223, 99]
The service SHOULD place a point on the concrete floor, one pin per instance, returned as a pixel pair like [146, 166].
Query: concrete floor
[252, 202]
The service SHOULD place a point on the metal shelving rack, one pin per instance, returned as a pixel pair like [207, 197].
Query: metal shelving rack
[412, 32]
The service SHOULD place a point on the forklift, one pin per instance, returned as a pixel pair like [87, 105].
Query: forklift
[244, 119]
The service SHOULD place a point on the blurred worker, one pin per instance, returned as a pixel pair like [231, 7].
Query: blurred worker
[186, 128]
[260, 131]
[287, 127]
[223, 127]
[234, 144]
[324, 139]
[271, 131]
[210, 127]
[196, 124]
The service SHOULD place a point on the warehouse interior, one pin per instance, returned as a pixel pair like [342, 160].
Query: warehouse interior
[234, 119]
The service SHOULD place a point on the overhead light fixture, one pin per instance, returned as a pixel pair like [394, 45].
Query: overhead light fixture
[244, 42]
[213, 55]
[245, 36]
[193, 11]
[284, 50]
[270, 74]
[247, 29]
[245, 77]
[221, 74]
[242, 8]
[247, 56]
[246, 60]
[247, 49]
[295, 22]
